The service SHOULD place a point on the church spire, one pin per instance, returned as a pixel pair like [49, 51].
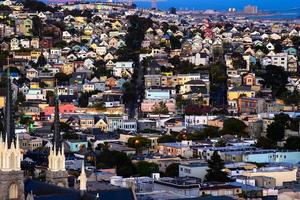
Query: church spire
[82, 178]
[9, 116]
[56, 134]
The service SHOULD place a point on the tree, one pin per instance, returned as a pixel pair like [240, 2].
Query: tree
[116, 159]
[166, 139]
[172, 170]
[20, 98]
[218, 85]
[215, 171]
[234, 126]
[194, 109]
[50, 97]
[276, 78]
[292, 143]
[60, 44]
[275, 131]
[145, 168]
[62, 77]
[139, 143]
[70, 136]
[291, 98]
[129, 91]
[37, 26]
[39, 6]
[238, 61]
[65, 127]
[211, 131]
[161, 108]
[172, 10]
[83, 100]
[175, 42]
[221, 143]
[283, 119]
[41, 62]
[265, 143]
[26, 121]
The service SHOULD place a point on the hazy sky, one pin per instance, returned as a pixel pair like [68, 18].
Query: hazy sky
[224, 4]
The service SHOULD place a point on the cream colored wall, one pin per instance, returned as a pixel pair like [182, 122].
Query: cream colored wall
[280, 176]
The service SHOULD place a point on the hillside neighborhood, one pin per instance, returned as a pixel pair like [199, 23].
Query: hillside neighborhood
[107, 101]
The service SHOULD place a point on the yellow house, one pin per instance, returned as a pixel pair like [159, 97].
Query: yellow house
[2, 101]
[236, 92]
[183, 78]
[80, 19]
[280, 174]
[35, 54]
[34, 85]
[116, 25]
[50, 82]
[86, 37]
[94, 46]
[86, 122]
[67, 68]
[101, 125]
[88, 30]
[167, 73]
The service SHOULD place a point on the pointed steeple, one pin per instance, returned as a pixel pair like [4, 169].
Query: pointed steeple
[82, 178]
[56, 134]
[9, 113]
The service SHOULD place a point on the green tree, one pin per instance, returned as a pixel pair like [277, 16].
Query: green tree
[275, 131]
[26, 121]
[161, 108]
[20, 98]
[139, 143]
[62, 77]
[218, 84]
[215, 171]
[275, 78]
[37, 26]
[111, 159]
[166, 139]
[221, 143]
[265, 143]
[175, 42]
[50, 96]
[291, 98]
[172, 10]
[172, 170]
[129, 92]
[83, 100]
[234, 126]
[145, 168]
[293, 143]
[283, 119]
[60, 44]
[70, 136]
[41, 62]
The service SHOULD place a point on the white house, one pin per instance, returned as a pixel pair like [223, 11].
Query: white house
[191, 120]
[193, 169]
[123, 68]
[35, 94]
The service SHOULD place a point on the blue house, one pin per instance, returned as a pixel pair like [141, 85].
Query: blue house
[76, 145]
[291, 51]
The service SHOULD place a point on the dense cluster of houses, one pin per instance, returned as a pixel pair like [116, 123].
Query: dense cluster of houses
[79, 59]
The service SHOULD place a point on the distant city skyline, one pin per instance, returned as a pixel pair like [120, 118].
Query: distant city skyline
[272, 5]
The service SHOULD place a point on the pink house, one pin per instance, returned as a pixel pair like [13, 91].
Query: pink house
[148, 105]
